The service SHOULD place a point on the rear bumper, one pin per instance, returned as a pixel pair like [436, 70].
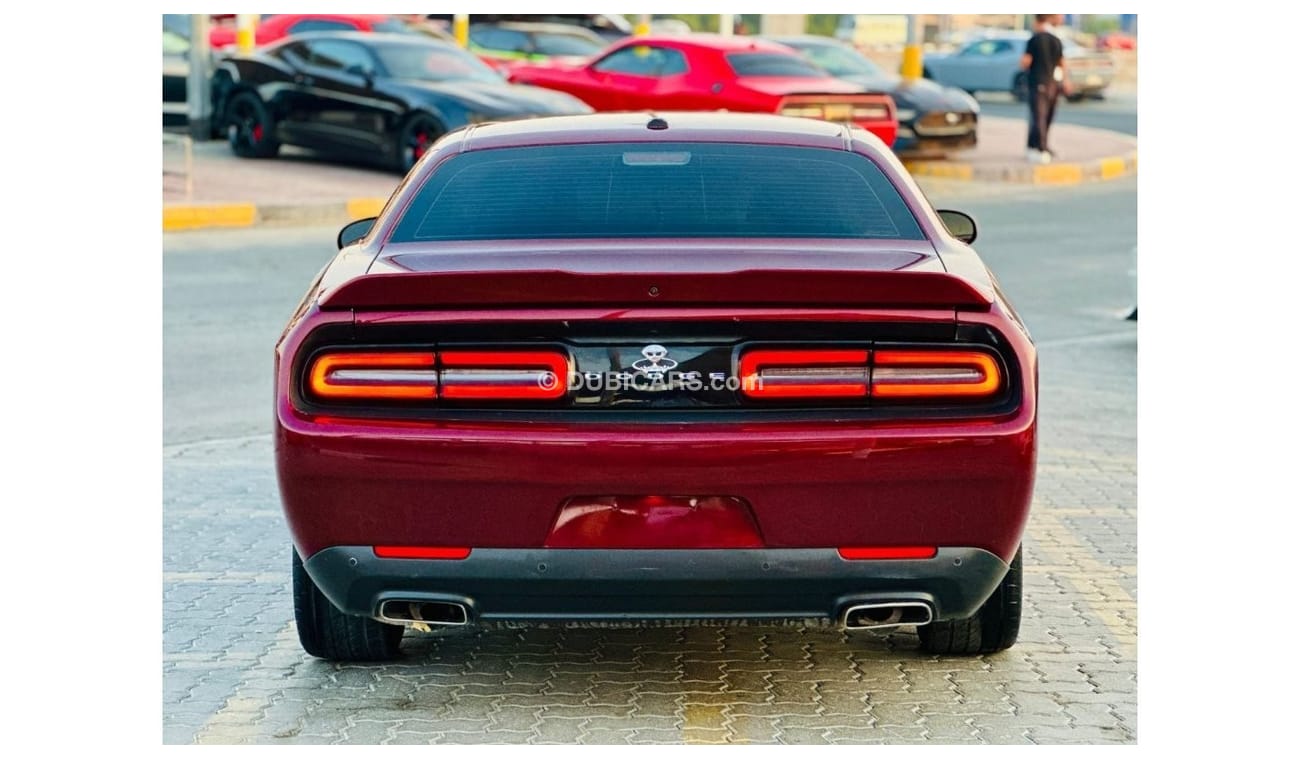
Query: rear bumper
[909, 142]
[500, 485]
[581, 584]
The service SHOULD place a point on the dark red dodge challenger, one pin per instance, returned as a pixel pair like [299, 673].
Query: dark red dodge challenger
[660, 366]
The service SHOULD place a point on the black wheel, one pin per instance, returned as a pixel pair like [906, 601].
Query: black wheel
[1075, 98]
[1020, 87]
[250, 127]
[416, 136]
[991, 629]
[926, 74]
[327, 633]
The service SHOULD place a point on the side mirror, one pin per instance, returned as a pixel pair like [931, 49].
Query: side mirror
[960, 225]
[354, 231]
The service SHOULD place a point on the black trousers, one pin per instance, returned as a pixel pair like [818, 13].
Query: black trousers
[1042, 109]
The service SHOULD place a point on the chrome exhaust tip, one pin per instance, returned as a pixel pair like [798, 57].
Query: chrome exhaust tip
[862, 617]
[422, 614]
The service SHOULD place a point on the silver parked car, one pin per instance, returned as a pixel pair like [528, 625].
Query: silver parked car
[992, 64]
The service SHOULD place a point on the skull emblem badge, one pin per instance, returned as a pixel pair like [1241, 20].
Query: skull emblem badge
[655, 363]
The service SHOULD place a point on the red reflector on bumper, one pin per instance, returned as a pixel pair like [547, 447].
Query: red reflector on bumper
[888, 552]
[654, 522]
[422, 552]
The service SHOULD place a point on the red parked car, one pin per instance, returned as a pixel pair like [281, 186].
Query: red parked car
[705, 72]
[274, 28]
[656, 366]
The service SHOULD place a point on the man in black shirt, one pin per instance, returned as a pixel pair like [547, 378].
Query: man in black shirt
[1044, 66]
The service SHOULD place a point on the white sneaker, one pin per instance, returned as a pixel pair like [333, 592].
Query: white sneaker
[1033, 156]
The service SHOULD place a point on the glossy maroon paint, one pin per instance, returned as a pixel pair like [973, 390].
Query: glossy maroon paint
[708, 84]
[499, 484]
[654, 522]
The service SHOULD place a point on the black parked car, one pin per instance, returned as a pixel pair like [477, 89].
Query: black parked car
[366, 95]
[931, 117]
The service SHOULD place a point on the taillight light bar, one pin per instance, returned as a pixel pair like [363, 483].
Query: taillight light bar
[887, 374]
[803, 373]
[374, 375]
[919, 374]
[536, 375]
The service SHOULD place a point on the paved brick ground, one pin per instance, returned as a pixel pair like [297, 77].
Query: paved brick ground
[233, 671]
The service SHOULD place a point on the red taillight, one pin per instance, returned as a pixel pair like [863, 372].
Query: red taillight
[888, 552]
[803, 373]
[423, 375]
[923, 374]
[535, 375]
[374, 375]
[422, 552]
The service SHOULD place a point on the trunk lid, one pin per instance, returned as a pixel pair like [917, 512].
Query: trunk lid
[805, 273]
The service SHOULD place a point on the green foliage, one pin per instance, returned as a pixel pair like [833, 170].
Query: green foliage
[821, 23]
[1100, 24]
[700, 22]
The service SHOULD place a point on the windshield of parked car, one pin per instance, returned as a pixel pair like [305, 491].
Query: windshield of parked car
[434, 63]
[625, 190]
[839, 61]
[550, 43]
[772, 65]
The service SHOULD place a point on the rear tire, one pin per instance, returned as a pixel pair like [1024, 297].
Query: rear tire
[993, 628]
[418, 133]
[250, 128]
[326, 632]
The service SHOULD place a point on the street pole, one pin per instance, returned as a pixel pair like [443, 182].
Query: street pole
[912, 66]
[726, 24]
[460, 29]
[246, 31]
[198, 99]
[642, 25]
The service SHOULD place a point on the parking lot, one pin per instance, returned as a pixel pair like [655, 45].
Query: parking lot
[233, 670]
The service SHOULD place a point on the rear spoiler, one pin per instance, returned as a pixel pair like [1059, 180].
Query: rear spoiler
[757, 288]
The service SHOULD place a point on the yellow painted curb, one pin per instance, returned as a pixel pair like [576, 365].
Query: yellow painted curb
[1112, 168]
[1060, 174]
[361, 208]
[194, 217]
[942, 170]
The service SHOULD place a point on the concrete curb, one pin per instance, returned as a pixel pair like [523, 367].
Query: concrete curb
[178, 217]
[1065, 173]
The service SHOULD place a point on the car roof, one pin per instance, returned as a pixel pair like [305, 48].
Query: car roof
[714, 42]
[370, 37]
[809, 39]
[540, 26]
[682, 127]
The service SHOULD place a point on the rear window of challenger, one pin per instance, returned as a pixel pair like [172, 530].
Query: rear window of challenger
[660, 190]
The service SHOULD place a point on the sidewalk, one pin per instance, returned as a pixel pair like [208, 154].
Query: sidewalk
[1083, 155]
[298, 188]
